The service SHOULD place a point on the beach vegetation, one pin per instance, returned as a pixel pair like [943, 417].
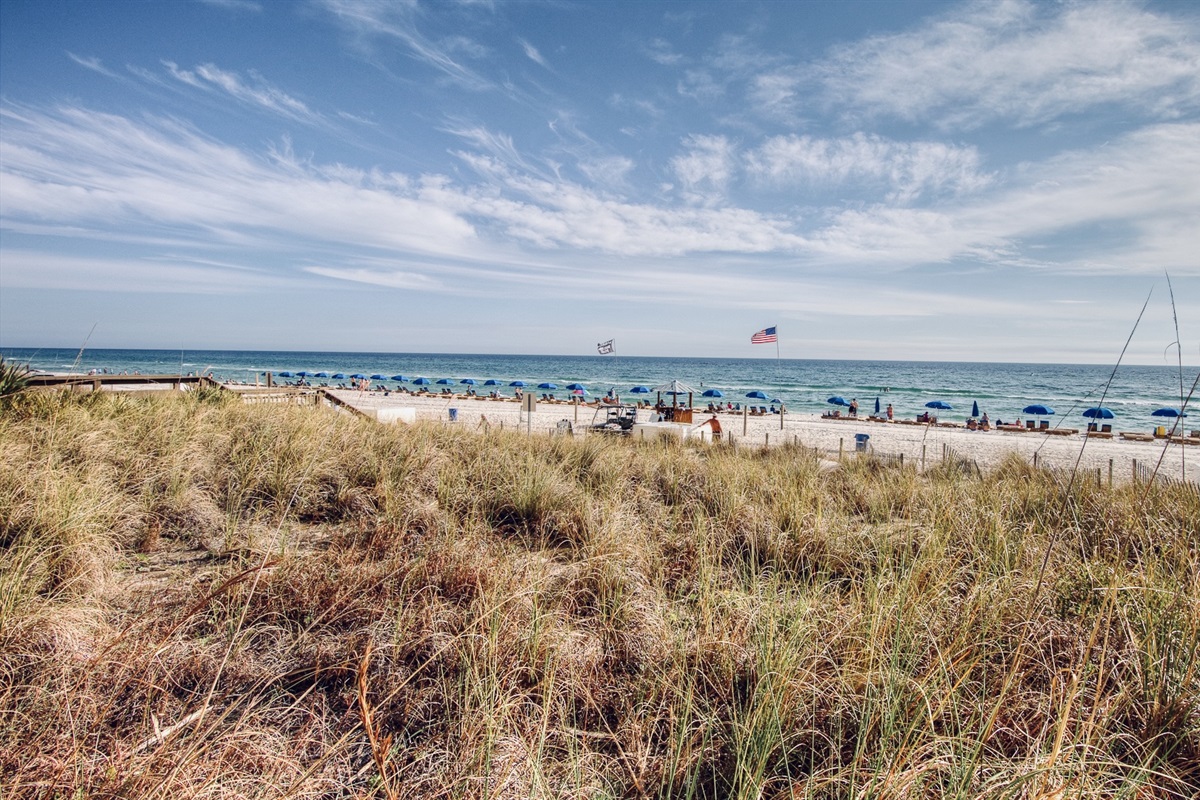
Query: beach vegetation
[14, 378]
[201, 598]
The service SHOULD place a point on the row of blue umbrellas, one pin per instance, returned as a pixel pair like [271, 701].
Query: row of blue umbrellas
[1036, 409]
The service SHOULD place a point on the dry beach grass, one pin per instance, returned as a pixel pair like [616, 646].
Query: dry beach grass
[200, 598]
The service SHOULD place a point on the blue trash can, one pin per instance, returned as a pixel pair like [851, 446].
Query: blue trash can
[454, 415]
[860, 442]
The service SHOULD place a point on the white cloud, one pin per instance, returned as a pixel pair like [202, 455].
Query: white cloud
[235, 5]
[705, 170]
[92, 63]
[260, 93]
[81, 168]
[1021, 62]
[532, 53]
[39, 270]
[776, 95]
[1141, 189]
[393, 279]
[906, 169]
[367, 20]
[661, 52]
[699, 85]
[610, 172]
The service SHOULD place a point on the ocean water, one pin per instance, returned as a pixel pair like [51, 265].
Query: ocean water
[804, 385]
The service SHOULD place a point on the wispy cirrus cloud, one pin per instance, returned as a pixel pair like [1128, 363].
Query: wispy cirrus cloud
[1140, 190]
[1021, 63]
[256, 91]
[907, 170]
[82, 169]
[706, 168]
[92, 63]
[235, 5]
[367, 20]
[532, 53]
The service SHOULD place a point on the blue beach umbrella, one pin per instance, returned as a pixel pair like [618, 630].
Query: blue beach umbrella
[378, 376]
[836, 400]
[1099, 412]
[757, 395]
[358, 376]
[640, 390]
[877, 407]
[1038, 410]
[574, 386]
[468, 381]
[444, 381]
[775, 400]
[400, 378]
[974, 407]
[421, 381]
[940, 405]
[547, 385]
[338, 376]
[518, 383]
[712, 393]
[491, 382]
[303, 374]
[321, 375]
[284, 374]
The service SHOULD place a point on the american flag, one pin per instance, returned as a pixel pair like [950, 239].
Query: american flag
[765, 336]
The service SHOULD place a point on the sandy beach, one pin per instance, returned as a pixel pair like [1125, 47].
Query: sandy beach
[986, 448]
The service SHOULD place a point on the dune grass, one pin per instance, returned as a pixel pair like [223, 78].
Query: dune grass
[200, 598]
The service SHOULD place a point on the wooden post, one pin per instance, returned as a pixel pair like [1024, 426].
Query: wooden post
[841, 446]
[1134, 476]
[1110, 470]
[767, 441]
[745, 418]
[902, 460]
[781, 416]
[270, 380]
[944, 451]
[577, 409]
[1035, 459]
[922, 458]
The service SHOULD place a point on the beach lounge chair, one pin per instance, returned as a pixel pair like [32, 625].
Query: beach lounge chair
[1030, 424]
[1137, 437]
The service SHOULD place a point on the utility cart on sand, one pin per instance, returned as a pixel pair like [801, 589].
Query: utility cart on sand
[616, 419]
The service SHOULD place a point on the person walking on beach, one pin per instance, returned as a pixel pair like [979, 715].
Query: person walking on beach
[889, 412]
[854, 407]
[715, 424]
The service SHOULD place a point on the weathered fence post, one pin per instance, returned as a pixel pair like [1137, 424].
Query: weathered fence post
[922, 458]
[841, 446]
[1110, 470]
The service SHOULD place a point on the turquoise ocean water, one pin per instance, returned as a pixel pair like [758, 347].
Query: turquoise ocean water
[1002, 390]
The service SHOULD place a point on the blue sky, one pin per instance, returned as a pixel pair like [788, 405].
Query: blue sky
[999, 181]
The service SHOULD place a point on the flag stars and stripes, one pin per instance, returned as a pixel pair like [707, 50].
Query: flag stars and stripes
[765, 336]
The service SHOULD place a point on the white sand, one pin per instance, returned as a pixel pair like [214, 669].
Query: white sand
[985, 448]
